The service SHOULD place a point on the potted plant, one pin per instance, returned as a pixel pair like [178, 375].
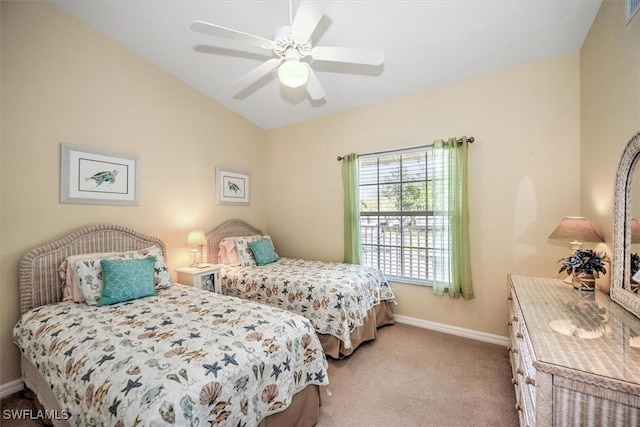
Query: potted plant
[635, 266]
[585, 265]
[635, 263]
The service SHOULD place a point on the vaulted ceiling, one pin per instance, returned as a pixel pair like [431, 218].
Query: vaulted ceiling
[425, 44]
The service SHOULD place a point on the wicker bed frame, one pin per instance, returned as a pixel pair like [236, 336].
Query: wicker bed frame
[39, 285]
[378, 316]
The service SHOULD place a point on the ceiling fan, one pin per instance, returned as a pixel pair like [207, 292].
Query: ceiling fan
[290, 44]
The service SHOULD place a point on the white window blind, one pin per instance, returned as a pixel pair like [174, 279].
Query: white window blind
[396, 213]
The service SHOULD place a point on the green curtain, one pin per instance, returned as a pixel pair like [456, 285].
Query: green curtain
[350, 182]
[452, 263]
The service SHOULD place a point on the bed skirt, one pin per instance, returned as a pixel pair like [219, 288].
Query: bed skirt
[303, 411]
[379, 315]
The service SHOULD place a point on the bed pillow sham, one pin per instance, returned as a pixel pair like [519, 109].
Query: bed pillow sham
[126, 280]
[263, 251]
[88, 273]
[70, 285]
[227, 253]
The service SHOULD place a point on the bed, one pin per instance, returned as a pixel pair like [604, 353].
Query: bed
[345, 303]
[177, 357]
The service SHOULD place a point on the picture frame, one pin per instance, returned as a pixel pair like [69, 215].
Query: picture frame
[232, 187]
[100, 177]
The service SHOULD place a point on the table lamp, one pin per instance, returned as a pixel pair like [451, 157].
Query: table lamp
[196, 239]
[576, 229]
[635, 231]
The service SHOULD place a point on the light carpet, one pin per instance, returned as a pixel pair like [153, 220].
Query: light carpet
[411, 376]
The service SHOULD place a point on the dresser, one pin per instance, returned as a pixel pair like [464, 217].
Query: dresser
[575, 356]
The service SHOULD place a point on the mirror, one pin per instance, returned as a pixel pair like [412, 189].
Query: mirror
[621, 289]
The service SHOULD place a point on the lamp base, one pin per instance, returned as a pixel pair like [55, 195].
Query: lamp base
[200, 265]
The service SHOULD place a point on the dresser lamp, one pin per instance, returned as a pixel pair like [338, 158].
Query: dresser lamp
[576, 229]
[196, 239]
[635, 231]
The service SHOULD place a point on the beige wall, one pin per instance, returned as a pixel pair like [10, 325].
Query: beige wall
[523, 178]
[610, 109]
[62, 81]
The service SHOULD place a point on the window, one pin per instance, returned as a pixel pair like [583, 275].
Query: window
[397, 214]
[633, 6]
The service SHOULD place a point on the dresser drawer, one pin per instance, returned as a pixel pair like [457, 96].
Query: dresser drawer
[526, 382]
[521, 364]
[528, 372]
[513, 343]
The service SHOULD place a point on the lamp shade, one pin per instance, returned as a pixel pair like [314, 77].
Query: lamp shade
[576, 228]
[196, 238]
[635, 231]
[293, 73]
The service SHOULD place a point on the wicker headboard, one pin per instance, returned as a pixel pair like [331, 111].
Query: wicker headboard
[230, 228]
[38, 271]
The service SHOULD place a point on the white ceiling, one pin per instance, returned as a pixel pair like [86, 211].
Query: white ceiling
[426, 44]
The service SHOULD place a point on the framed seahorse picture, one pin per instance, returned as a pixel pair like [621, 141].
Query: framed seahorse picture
[232, 187]
[93, 176]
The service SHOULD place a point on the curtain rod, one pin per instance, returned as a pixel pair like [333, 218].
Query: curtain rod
[459, 141]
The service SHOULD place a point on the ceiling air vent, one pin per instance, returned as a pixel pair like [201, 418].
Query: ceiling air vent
[632, 9]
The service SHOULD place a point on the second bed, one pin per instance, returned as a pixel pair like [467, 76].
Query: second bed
[345, 303]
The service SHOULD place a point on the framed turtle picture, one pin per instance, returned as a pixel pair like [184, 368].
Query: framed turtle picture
[93, 176]
[232, 187]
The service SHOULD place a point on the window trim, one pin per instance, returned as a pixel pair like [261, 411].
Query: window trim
[426, 213]
[632, 10]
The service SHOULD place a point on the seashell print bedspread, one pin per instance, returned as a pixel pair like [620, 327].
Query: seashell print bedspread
[183, 357]
[335, 297]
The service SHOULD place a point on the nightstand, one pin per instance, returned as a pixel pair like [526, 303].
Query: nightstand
[206, 278]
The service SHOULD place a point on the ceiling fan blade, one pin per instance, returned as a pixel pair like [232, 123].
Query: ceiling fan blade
[348, 54]
[307, 18]
[227, 33]
[313, 86]
[257, 73]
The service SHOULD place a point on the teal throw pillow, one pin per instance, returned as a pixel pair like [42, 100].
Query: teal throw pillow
[263, 251]
[126, 279]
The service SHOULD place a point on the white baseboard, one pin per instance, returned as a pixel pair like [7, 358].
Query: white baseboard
[452, 330]
[10, 388]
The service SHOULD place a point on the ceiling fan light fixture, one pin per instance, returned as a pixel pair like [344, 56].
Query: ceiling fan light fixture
[293, 73]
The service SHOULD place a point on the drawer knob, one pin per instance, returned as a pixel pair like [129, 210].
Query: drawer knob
[509, 323]
[519, 335]
[514, 381]
[518, 407]
[510, 298]
[529, 380]
[519, 371]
